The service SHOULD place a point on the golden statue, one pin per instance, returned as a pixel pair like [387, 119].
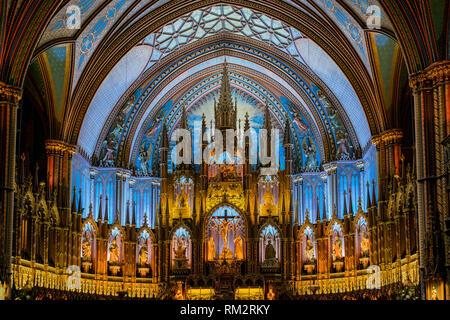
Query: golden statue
[180, 250]
[268, 208]
[365, 243]
[86, 247]
[238, 248]
[114, 252]
[270, 294]
[226, 254]
[179, 292]
[211, 249]
[337, 249]
[309, 251]
[143, 255]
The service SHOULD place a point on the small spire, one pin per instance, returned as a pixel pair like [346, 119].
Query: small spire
[360, 209]
[324, 215]
[117, 219]
[106, 213]
[80, 210]
[350, 202]
[255, 208]
[145, 224]
[127, 222]
[345, 203]
[133, 222]
[318, 218]
[296, 213]
[374, 194]
[74, 201]
[307, 220]
[183, 121]
[100, 212]
[282, 203]
[369, 203]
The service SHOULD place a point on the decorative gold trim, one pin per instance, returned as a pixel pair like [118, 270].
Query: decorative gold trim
[10, 93]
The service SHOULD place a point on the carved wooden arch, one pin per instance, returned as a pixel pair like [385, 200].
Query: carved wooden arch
[90, 220]
[269, 222]
[149, 231]
[220, 205]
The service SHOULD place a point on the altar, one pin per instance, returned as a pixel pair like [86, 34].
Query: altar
[225, 241]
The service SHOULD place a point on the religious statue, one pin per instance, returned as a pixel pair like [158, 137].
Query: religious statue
[270, 294]
[211, 249]
[310, 153]
[268, 208]
[143, 255]
[226, 252]
[110, 147]
[86, 247]
[342, 143]
[365, 244]
[114, 252]
[309, 251]
[180, 250]
[337, 249]
[238, 248]
[179, 292]
[270, 253]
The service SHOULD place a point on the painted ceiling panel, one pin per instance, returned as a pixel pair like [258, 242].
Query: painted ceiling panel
[213, 62]
[385, 54]
[58, 59]
[112, 88]
[334, 78]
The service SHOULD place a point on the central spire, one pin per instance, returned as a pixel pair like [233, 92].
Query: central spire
[225, 111]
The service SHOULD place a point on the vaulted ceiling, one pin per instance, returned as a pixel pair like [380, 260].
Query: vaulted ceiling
[140, 60]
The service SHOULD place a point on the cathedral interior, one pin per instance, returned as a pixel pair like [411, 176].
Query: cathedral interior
[350, 98]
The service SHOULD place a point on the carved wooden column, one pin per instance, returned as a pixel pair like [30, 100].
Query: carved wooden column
[9, 100]
[431, 90]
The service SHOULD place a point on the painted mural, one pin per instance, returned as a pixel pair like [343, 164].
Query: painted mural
[344, 146]
[146, 162]
[110, 145]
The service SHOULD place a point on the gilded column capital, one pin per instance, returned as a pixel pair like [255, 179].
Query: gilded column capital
[435, 73]
[10, 93]
[387, 137]
[57, 146]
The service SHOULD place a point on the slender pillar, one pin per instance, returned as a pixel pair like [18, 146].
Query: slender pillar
[431, 91]
[9, 100]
